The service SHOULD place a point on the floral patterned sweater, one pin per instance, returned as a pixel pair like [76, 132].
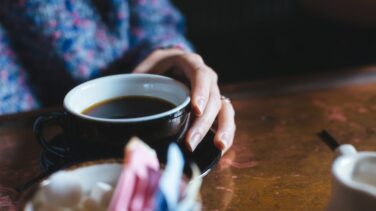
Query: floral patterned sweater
[48, 46]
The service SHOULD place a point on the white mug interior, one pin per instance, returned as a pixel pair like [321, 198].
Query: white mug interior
[86, 177]
[105, 88]
[357, 171]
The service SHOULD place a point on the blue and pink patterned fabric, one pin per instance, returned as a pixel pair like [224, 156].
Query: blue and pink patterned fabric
[48, 46]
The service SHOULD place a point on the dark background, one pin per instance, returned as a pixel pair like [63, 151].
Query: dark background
[252, 39]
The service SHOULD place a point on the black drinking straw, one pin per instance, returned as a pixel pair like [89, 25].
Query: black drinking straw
[328, 139]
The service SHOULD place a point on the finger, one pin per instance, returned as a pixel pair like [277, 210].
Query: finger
[224, 136]
[203, 123]
[158, 62]
[201, 78]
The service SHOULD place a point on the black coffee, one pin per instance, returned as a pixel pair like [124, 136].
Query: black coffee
[128, 107]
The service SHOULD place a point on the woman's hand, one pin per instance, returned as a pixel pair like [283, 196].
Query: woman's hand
[207, 102]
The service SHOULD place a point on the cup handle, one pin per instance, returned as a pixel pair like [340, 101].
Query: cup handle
[38, 128]
[345, 149]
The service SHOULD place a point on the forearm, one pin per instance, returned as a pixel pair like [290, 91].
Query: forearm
[15, 92]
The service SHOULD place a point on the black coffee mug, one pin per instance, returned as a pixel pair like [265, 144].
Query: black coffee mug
[84, 131]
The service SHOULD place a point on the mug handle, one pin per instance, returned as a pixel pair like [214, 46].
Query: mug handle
[38, 128]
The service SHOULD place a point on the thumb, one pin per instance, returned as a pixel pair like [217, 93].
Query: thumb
[148, 65]
[158, 61]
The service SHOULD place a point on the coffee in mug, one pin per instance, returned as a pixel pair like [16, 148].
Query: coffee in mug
[128, 107]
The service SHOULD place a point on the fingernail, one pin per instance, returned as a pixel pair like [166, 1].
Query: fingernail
[195, 140]
[225, 140]
[201, 104]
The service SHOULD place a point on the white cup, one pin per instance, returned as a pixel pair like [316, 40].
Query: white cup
[354, 180]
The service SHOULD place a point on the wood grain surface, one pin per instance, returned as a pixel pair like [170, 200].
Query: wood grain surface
[277, 161]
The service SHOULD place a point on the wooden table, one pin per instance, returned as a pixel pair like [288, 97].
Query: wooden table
[277, 161]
